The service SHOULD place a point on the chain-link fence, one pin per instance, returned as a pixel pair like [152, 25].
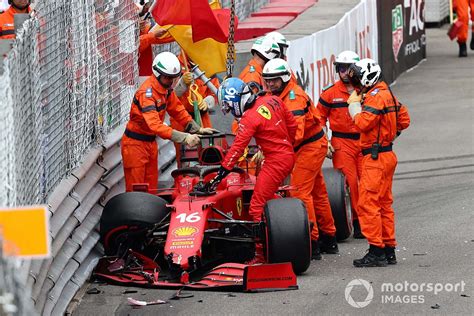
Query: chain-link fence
[67, 83]
[14, 296]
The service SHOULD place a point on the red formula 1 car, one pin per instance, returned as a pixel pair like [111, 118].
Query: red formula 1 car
[181, 237]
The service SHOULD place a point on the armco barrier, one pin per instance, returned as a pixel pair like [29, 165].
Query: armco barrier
[402, 40]
[76, 206]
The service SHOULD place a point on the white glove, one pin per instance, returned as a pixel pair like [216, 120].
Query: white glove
[330, 150]
[211, 102]
[185, 138]
[203, 106]
[354, 97]
[258, 157]
[192, 140]
[180, 88]
[207, 131]
[354, 109]
[188, 78]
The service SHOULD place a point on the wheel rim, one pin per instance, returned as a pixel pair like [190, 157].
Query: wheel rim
[347, 202]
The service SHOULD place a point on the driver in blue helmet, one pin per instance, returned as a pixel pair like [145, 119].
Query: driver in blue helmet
[267, 119]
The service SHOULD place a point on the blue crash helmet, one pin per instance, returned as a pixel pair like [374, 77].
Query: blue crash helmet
[233, 95]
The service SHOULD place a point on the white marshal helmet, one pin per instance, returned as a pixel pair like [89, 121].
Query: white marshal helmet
[266, 48]
[366, 71]
[347, 57]
[281, 41]
[166, 64]
[277, 68]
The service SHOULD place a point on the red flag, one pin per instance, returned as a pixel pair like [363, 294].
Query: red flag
[205, 22]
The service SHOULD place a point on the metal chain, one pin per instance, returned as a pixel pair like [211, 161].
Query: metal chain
[230, 42]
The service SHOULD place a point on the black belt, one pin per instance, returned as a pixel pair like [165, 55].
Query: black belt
[137, 136]
[382, 149]
[354, 136]
[310, 140]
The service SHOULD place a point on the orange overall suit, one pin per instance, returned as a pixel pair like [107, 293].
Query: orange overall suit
[381, 119]
[7, 23]
[139, 147]
[252, 72]
[347, 157]
[310, 148]
[462, 8]
[145, 52]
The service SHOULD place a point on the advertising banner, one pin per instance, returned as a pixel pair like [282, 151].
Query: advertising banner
[402, 39]
[312, 57]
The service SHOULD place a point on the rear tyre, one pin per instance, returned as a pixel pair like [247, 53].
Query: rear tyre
[288, 237]
[127, 217]
[339, 198]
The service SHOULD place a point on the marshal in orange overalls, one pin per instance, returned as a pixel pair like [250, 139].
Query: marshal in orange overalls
[347, 157]
[139, 147]
[381, 118]
[310, 149]
[204, 91]
[462, 8]
[7, 22]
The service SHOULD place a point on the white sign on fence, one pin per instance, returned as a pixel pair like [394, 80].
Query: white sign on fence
[312, 57]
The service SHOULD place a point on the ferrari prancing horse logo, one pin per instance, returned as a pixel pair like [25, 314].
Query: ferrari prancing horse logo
[264, 111]
[239, 206]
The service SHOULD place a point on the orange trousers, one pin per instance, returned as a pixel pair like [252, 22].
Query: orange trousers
[376, 216]
[307, 178]
[140, 163]
[462, 10]
[347, 157]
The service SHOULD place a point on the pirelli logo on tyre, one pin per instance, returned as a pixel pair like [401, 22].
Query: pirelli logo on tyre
[185, 231]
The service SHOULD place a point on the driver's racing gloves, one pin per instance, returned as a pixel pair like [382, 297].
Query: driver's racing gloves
[212, 185]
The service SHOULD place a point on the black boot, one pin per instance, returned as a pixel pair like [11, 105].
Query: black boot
[472, 42]
[315, 251]
[328, 244]
[462, 50]
[374, 258]
[390, 255]
[357, 231]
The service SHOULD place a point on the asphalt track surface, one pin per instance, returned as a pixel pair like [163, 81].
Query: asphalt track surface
[434, 198]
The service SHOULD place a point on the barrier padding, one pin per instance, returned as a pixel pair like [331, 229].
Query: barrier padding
[259, 26]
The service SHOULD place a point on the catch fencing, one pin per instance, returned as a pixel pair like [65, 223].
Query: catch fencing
[66, 90]
[68, 82]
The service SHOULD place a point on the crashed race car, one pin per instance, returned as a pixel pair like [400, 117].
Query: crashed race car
[181, 236]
